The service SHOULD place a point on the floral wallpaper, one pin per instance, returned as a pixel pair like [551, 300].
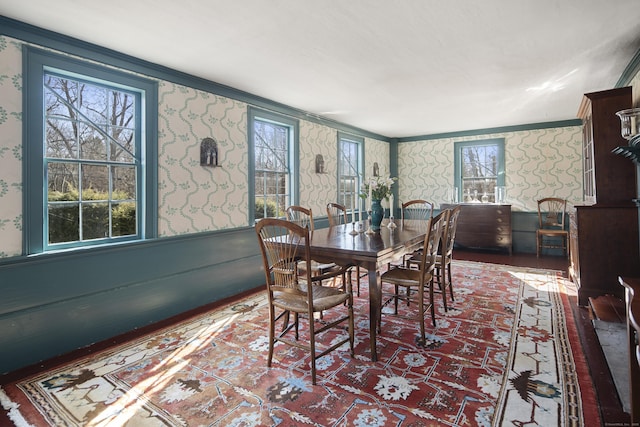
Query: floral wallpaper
[194, 198]
[10, 147]
[539, 163]
[318, 189]
[376, 152]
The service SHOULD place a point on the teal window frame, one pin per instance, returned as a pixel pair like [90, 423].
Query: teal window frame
[38, 62]
[293, 125]
[458, 165]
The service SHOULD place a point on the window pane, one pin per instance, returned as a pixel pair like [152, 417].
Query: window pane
[124, 182]
[60, 97]
[61, 139]
[92, 104]
[124, 219]
[64, 221]
[92, 143]
[122, 148]
[63, 182]
[95, 221]
[95, 182]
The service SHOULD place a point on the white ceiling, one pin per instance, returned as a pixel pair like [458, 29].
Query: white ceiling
[393, 67]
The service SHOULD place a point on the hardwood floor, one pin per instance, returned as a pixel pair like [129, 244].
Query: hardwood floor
[610, 407]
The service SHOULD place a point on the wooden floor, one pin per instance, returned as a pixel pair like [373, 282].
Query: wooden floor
[610, 407]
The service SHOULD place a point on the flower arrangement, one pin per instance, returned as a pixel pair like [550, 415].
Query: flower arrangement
[377, 188]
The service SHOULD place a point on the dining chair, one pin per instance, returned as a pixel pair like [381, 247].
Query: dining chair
[417, 209]
[416, 281]
[282, 244]
[414, 210]
[304, 217]
[445, 255]
[337, 215]
[551, 232]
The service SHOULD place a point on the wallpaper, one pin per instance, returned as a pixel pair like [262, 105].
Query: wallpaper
[10, 147]
[194, 198]
[376, 152]
[539, 163]
[318, 189]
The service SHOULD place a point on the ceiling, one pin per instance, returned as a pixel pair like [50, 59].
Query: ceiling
[397, 68]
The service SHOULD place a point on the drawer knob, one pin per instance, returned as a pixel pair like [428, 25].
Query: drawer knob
[499, 219]
[499, 211]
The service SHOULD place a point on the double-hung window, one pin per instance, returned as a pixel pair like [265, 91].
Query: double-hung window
[479, 169]
[349, 170]
[88, 153]
[272, 158]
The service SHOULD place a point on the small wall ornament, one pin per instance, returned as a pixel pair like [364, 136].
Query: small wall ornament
[319, 163]
[209, 152]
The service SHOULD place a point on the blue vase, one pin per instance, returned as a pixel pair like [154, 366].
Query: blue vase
[377, 213]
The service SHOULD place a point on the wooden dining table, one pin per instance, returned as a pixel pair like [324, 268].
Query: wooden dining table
[370, 252]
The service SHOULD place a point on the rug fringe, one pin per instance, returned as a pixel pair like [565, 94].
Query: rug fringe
[12, 410]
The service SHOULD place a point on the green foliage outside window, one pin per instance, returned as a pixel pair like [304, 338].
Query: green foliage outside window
[64, 218]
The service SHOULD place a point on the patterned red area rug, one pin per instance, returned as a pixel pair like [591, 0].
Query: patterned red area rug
[504, 354]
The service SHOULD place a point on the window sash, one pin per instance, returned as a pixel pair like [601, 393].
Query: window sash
[479, 169]
[273, 150]
[349, 171]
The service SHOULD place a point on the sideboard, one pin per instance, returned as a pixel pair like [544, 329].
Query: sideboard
[483, 226]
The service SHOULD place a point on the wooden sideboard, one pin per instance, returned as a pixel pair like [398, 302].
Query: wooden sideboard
[483, 226]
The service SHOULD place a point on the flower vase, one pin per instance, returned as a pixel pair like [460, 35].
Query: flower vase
[377, 214]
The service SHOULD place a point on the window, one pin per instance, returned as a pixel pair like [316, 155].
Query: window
[89, 155]
[479, 169]
[272, 157]
[349, 170]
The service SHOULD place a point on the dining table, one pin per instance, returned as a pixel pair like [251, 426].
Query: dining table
[371, 251]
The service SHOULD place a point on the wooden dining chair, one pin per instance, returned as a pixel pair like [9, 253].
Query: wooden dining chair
[417, 209]
[414, 210]
[445, 255]
[551, 232]
[283, 244]
[304, 217]
[337, 215]
[418, 281]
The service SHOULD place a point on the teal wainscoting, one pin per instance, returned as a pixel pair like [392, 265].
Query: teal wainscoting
[523, 233]
[54, 303]
[524, 226]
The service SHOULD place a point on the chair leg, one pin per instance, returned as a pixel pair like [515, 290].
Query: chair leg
[312, 346]
[442, 284]
[450, 281]
[433, 306]
[272, 327]
[358, 279]
[422, 339]
[537, 245]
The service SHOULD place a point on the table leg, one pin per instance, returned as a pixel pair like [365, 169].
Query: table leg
[375, 299]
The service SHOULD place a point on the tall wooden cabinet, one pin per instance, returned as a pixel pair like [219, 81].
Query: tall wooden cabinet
[604, 229]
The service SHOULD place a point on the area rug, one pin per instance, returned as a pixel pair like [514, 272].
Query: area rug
[504, 353]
